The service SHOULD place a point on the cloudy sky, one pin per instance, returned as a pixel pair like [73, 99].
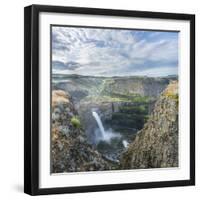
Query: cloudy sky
[114, 52]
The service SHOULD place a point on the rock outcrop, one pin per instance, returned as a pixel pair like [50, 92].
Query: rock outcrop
[70, 149]
[156, 145]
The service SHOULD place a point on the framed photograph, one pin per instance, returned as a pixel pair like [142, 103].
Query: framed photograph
[109, 99]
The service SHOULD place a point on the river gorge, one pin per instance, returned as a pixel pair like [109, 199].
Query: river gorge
[95, 120]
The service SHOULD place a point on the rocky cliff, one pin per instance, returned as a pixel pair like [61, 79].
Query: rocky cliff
[70, 149]
[156, 145]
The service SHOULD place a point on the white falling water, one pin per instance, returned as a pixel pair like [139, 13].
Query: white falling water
[98, 120]
[125, 143]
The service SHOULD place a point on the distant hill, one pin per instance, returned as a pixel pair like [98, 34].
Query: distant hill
[81, 86]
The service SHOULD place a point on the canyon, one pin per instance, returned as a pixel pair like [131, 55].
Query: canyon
[103, 118]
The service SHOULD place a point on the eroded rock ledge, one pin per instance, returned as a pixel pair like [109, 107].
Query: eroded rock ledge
[70, 150]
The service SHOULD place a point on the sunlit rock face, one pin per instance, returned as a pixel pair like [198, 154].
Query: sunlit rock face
[156, 145]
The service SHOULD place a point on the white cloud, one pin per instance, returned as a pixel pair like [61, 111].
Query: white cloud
[115, 52]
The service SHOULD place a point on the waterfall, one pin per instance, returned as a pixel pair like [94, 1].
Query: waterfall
[125, 143]
[98, 120]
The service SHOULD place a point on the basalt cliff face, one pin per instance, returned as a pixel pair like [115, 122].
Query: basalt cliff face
[70, 149]
[156, 145]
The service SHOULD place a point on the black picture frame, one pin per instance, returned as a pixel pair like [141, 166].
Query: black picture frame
[31, 98]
